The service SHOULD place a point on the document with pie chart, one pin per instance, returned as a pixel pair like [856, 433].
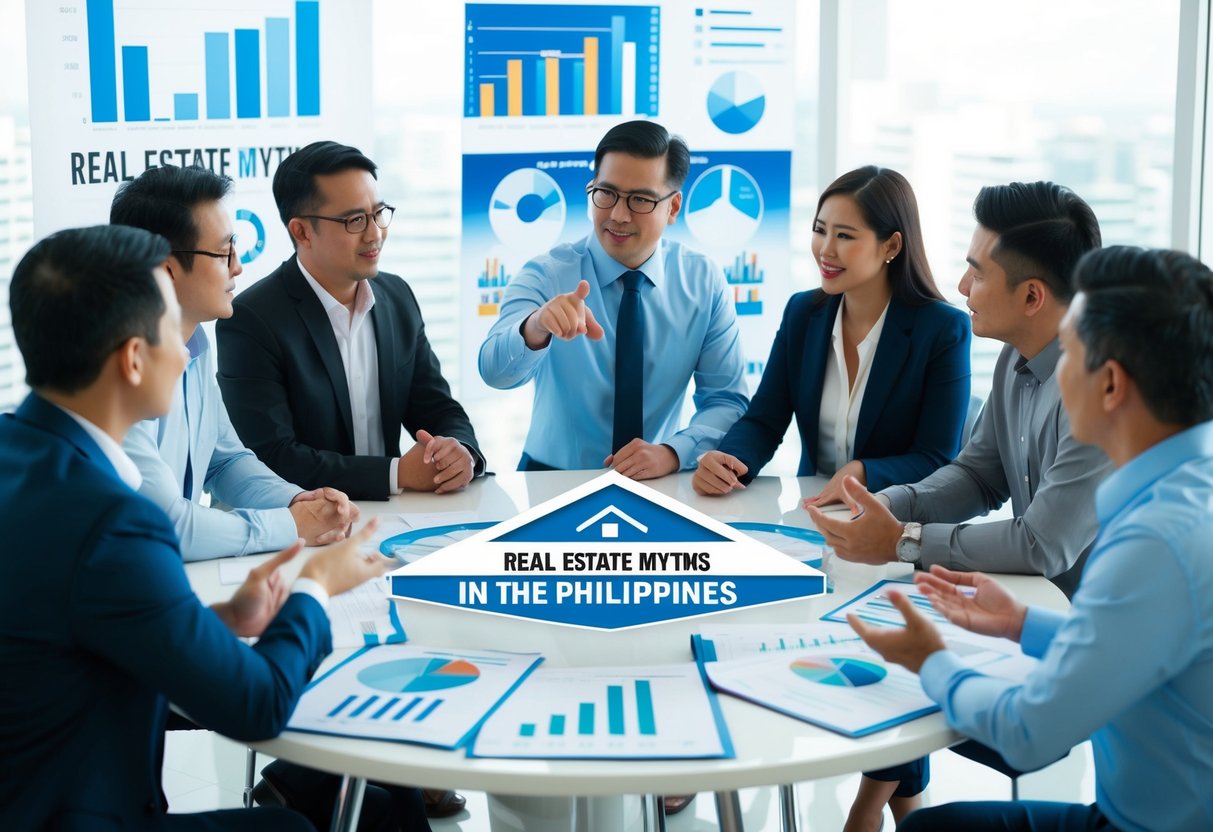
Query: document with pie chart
[846, 688]
[409, 693]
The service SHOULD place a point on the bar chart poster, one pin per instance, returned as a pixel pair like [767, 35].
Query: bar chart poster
[407, 693]
[657, 712]
[120, 86]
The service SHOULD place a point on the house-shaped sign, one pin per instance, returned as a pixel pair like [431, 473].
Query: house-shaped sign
[609, 554]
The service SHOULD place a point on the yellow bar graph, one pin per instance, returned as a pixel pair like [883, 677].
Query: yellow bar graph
[487, 93]
[551, 70]
[590, 48]
[513, 73]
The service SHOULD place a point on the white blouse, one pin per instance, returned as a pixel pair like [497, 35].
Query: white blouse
[839, 410]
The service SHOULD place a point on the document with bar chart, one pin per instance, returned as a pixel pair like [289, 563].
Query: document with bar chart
[846, 688]
[656, 712]
[408, 693]
[722, 642]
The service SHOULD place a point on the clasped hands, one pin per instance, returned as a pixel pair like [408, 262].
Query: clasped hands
[323, 515]
[436, 463]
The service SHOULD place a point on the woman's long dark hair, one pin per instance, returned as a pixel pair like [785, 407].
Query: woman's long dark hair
[887, 203]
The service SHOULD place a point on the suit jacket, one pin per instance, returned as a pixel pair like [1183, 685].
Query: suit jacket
[286, 391]
[99, 630]
[913, 408]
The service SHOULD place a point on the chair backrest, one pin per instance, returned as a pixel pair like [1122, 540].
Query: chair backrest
[976, 403]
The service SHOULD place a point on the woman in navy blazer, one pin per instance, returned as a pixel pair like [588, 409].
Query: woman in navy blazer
[868, 244]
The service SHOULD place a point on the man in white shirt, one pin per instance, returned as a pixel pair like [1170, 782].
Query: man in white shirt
[193, 448]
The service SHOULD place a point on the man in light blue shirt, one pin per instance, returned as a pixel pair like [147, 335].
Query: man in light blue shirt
[193, 448]
[1131, 664]
[562, 312]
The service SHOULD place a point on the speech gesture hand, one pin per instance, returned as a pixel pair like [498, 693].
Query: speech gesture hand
[869, 536]
[990, 610]
[255, 603]
[342, 567]
[908, 646]
[565, 316]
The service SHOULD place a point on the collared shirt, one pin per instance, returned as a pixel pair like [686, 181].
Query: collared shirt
[124, 466]
[197, 428]
[690, 332]
[1131, 665]
[1021, 449]
[841, 401]
[355, 334]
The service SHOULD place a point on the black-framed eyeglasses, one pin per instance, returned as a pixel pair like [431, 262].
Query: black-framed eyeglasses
[637, 203]
[229, 255]
[356, 223]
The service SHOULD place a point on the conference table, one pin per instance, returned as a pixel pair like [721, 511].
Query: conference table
[576, 795]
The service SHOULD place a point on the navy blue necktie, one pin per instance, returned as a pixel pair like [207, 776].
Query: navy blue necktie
[629, 365]
[187, 487]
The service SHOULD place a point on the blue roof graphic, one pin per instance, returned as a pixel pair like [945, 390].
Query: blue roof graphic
[611, 515]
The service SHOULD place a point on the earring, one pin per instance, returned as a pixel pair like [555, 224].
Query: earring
[890, 260]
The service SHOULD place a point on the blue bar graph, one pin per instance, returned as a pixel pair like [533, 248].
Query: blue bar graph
[585, 719]
[616, 52]
[248, 73]
[102, 68]
[307, 57]
[541, 86]
[527, 729]
[342, 706]
[136, 98]
[644, 708]
[578, 88]
[416, 700]
[391, 703]
[218, 75]
[185, 106]
[278, 66]
[370, 700]
[429, 709]
[556, 725]
[615, 709]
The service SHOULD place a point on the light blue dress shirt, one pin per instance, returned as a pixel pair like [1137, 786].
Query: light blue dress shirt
[1131, 664]
[690, 332]
[197, 425]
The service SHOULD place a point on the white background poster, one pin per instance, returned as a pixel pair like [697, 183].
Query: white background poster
[124, 85]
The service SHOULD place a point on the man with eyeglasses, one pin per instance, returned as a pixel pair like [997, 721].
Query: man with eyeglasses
[326, 359]
[193, 448]
[613, 327]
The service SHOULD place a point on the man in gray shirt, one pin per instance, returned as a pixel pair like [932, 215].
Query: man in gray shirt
[1028, 239]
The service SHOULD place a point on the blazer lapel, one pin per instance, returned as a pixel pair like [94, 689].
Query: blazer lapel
[320, 329]
[383, 318]
[891, 354]
[817, 352]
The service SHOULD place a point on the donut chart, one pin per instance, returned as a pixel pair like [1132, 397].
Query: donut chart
[417, 675]
[839, 671]
[527, 210]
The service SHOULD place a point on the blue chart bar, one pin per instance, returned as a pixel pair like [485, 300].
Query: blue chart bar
[541, 87]
[428, 710]
[617, 36]
[102, 68]
[370, 700]
[185, 106]
[342, 706]
[585, 719]
[615, 709]
[136, 101]
[527, 729]
[391, 703]
[578, 88]
[218, 76]
[307, 57]
[278, 66]
[413, 703]
[248, 73]
[644, 708]
[556, 725]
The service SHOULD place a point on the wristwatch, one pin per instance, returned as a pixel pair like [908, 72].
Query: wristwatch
[909, 546]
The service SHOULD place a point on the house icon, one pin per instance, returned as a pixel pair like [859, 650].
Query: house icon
[610, 531]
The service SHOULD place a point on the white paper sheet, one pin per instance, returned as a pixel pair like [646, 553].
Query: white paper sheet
[722, 642]
[365, 616]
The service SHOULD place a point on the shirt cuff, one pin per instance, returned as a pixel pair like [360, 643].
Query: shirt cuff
[478, 464]
[281, 528]
[936, 545]
[684, 449]
[307, 586]
[393, 470]
[937, 673]
[899, 501]
[1039, 627]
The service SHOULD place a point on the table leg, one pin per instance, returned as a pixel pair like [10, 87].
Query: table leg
[654, 812]
[349, 804]
[788, 819]
[250, 772]
[728, 812]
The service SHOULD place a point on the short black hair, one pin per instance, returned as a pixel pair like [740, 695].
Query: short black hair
[162, 200]
[1043, 230]
[1151, 311]
[295, 190]
[647, 140]
[78, 295]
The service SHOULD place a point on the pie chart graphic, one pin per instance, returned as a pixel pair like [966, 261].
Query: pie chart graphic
[843, 672]
[418, 675]
[736, 102]
[724, 207]
[527, 210]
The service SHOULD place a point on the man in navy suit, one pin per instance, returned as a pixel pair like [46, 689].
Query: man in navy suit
[99, 628]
